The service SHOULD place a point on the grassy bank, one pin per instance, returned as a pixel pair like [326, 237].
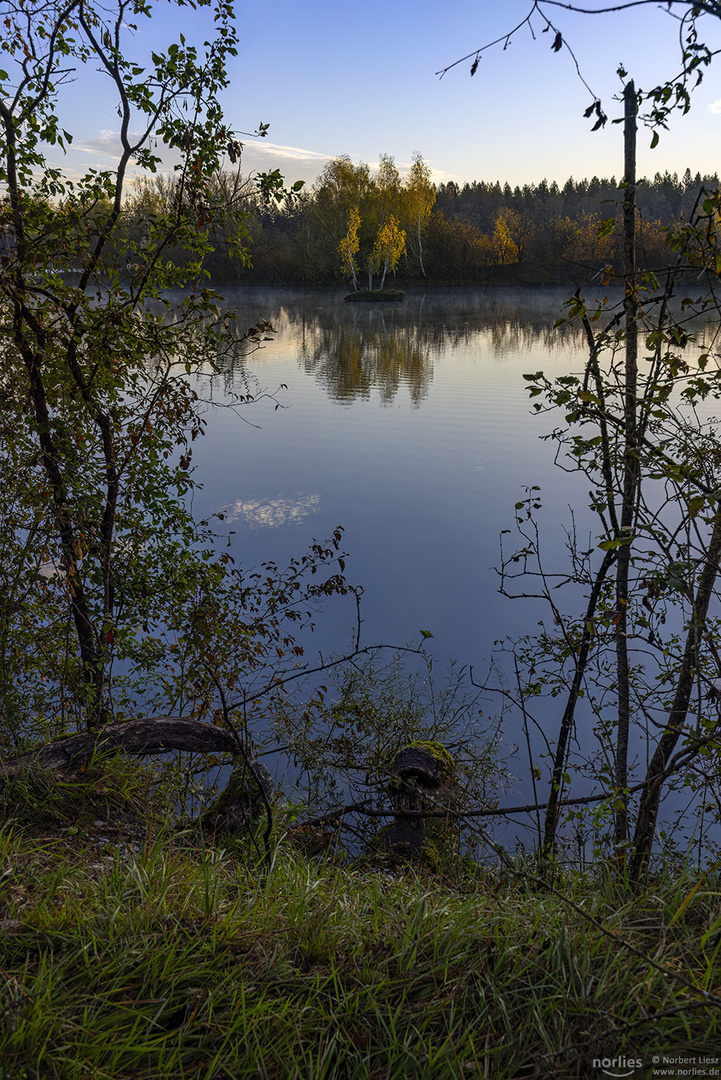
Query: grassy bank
[141, 952]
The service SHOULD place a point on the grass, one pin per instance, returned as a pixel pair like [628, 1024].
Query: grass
[143, 954]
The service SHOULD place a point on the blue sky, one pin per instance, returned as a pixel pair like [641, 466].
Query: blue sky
[339, 77]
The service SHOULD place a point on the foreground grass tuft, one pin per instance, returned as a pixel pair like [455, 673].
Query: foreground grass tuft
[140, 954]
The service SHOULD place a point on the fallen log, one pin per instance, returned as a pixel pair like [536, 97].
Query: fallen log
[154, 735]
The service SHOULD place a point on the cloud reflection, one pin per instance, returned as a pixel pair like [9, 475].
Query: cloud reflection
[272, 513]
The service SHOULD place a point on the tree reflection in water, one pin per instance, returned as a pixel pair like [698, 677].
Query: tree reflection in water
[354, 355]
[352, 352]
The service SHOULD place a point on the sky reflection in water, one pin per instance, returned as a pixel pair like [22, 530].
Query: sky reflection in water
[410, 426]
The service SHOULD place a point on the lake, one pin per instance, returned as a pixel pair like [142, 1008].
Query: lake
[410, 426]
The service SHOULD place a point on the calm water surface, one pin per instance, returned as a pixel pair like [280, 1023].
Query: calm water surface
[410, 426]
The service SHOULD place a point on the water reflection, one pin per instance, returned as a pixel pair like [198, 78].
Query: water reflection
[271, 513]
[352, 351]
[352, 357]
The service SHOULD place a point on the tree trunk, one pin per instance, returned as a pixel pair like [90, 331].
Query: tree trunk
[653, 784]
[564, 734]
[91, 652]
[630, 465]
[351, 263]
[420, 248]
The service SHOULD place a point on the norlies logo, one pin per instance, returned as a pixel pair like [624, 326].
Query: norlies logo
[618, 1066]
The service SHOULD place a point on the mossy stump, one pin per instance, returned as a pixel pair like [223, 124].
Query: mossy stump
[423, 779]
[239, 806]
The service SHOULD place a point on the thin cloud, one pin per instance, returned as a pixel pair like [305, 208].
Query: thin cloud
[96, 153]
[715, 108]
[108, 144]
[293, 153]
[297, 153]
[105, 142]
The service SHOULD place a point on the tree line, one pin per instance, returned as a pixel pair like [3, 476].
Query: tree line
[362, 228]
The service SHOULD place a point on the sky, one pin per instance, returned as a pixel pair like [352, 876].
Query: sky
[335, 77]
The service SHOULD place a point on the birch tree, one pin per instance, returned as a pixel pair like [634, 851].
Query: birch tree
[389, 245]
[419, 196]
[340, 187]
[348, 247]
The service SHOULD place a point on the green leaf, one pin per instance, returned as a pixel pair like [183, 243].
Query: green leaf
[695, 505]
